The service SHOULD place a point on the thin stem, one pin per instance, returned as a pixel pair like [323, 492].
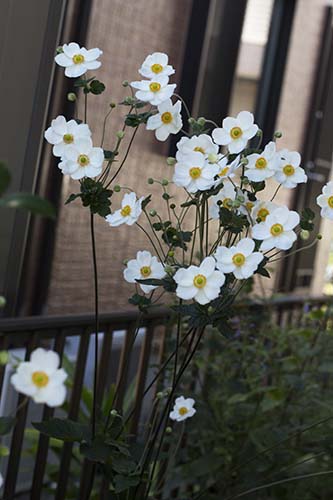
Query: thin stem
[184, 104]
[125, 158]
[150, 239]
[93, 243]
[276, 192]
[104, 125]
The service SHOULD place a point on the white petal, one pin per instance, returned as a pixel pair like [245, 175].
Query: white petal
[75, 70]
[44, 360]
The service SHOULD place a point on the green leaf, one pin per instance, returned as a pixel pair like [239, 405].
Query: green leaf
[96, 87]
[96, 451]
[4, 177]
[6, 425]
[63, 429]
[146, 201]
[72, 197]
[30, 202]
[109, 155]
[141, 301]
[123, 464]
[134, 120]
[123, 483]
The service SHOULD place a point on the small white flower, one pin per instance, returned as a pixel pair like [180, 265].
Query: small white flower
[201, 283]
[154, 91]
[194, 173]
[129, 212]
[82, 160]
[145, 266]
[167, 121]
[77, 60]
[241, 260]
[197, 143]
[156, 64]
[262, 166]
[62, 134]
[225, 169]
[277, 229]
[262, 209]
[182, 409]
[223, 198]
[235, 132]
[41, 378]
[325, 201]
[289, 173]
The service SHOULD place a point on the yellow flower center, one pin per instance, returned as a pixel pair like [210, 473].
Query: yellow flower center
[238, 259]
[199, 149]
[227, 202]
[68, 138]
[145, 271]
[288, 170]
[249, 205]
[330, 201]
[261, 163]
[83, 160]
[166, 117]
[156, 68]
[195, 172]
[126, 210]
[40, 379]
[183, 411]
[236, 132]
[78, 59]
[155, 86]
[224, 171]
[276, 229]
[199, 280]
[262, 214]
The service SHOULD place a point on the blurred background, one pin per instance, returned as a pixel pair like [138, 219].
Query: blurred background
[271, 57]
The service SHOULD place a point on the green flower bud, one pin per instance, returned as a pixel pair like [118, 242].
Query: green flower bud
[168, 430]
[113, 104]
[59, 50]
[211, 310]
[259, 133]
[166, 196]
[172, 206]
[304, 234]
[278, 134]
[212, 158]
[152, 213]
[171, 161]
[244, 161]
[4, 357]
[117, 188]
[171, 253]
[150, 180]
[240, 198]
[125, 261]
[71, 97]
[125, 83]
[191, 121]
[235, 204]
[114, 413]
[201, 121]
[120, 134]
[165, 182]
[169, 270]
[319, 236]
[159, 395]
[2, 301]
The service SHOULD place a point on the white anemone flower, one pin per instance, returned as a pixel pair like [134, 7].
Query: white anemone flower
[262, 209]
[194, 173]
[262, 166]
[241, 259]
[235, 132]
[182, 409]
[130, 211]
[154, 91]
[145, 266]
[277, 229]
[167, 121]
[223, 198]
[82, 160]
[201, 283]
[77, 60]
[289, 173]
[197, 143]
[41, 378]
[325, 201]
[156, 64]
[225, 169]
[62, 134]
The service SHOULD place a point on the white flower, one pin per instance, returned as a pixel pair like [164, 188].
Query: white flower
[277, 229]
[223, 198]
[197, 143]
[77, 60]
[261, 209]
[325, 201]
[225, 169]
[82, 160]
[194, 173]
[264, 165]
[156, 64]
[62, 134]
[129, 212]
[235, 132]
[201, 283]
[241, 260]
[144, 267]
[154, 91]
[167, 121]
[41, 378]
[289, 173]
[182, 409]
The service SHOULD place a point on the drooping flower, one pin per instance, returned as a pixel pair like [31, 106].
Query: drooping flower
[262, 166]
[145, 266]
[276, 231]
[182, 409]
[223, 198]
[201, 283]
[77, 60]
[62, 134]
[289, 173]
[154, 91]
[241, 259]
[235, 132]
[167, 121]
[156, 64]
[41, 378]
[262, 209]
[197, 143]
[227, 170]
[325, 201]
[82, 160]
[129, 212]
[194, 173]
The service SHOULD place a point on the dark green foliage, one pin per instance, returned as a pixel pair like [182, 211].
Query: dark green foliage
[6, 425]
[94, 195]
[91, 85]
[63, 429]
[134, 120]
[235, 223]
[307, 218]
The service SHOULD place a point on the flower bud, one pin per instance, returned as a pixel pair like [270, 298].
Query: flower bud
[152, 213]
[125, 261]
[171, 253]
[201, 121]
[319, 236]
[191, 121]
[210, 310]
[113, 105]
[125, 83]
[166, 196]
[304, 234]
[213, 158]
[117, 188]
[168, 430]
[235, 204]
[165, 182]
[172, 206]
[2, 301]
[59, 50]
[120, 134]
[4, 357]
[240, 198]
[169, 270]
[171, 161]
[71, 97]
[150, 180]
[278, 134]
[244, 161]
[159, 395]
[259, 133]
[114, 413]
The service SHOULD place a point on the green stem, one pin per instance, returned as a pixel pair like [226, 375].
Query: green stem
[93, 243]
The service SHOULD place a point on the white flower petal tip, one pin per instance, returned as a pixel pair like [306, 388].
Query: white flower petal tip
[145, 266]
[78, 60]
[325, 201]
[236, 132]
[167, 121]
[183, 409]
[129, 213]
